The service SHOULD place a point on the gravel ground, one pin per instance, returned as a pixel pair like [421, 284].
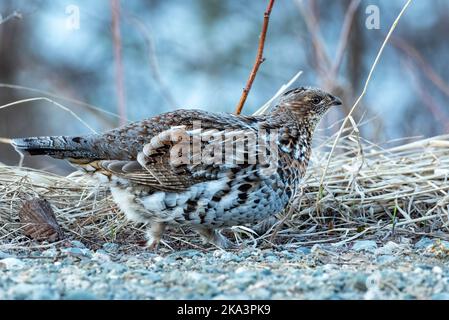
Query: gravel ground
[362, 270]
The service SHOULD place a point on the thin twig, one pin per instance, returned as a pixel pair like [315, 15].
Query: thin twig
[14, 15]
[53, 102]
[119, 75]
[5, 140]
[368, 79]
[344, 36]
[153, 61]
[310, 18]
[428, 101]
[427, 69]
[259, 58]
[95, 110]
[281, 90]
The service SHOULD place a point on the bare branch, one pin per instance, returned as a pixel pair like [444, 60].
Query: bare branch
[259, 58]
[427, 69]
[428, 101]
[91, 108]
[344, 36]
[311, 20]
[14, 15]
[120, 87]
[153, 61]
[53, 102]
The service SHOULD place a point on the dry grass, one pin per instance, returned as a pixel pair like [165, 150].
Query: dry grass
[83, 208]
[368, 192]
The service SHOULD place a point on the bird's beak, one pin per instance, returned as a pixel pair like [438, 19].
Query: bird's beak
[336, 102]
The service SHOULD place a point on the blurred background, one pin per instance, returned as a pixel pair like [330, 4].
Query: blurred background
[139, 58]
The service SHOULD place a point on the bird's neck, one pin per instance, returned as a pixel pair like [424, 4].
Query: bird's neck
[281, 116]
[295, 133]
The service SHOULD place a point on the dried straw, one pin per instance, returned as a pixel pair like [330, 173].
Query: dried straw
[368, 191]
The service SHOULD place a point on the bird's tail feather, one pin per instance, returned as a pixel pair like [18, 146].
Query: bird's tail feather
[57, 147]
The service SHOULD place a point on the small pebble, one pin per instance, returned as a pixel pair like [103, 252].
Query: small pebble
[389, 248]
[80, 295]
[437, 270]
[4, 255]
[260, 293]
[445, 244]
[286, 273]
[77, 244]
[101, 256]
[440, 296]
[110, 247]
[11, 264]
[365, 245]
[303, 250]
[385, 259]
[232, 297]
[27, 291]
[77, 252]
[51, 253]
[424, 243]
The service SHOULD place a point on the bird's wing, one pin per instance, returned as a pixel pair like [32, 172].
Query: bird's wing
[157, 177]
[176, 158]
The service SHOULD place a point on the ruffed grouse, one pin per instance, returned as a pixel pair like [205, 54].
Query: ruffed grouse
[200, 169]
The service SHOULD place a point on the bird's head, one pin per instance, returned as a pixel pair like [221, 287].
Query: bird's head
[306, 104]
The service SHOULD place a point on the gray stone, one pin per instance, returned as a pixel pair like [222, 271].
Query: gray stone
[389, 248]
[101, 256]
[51, 253]
[77, 252]
[360, 282]
[239, 296]
[35, 254]
[424, 243]
[266, 272]
[445, 244]
[80, 295]
[43, 278]
[114, 267]
[260, 293]
[187, 253]
[47, 294]
[271, 259]
[11, 264]
[229, 256]
[303, 250]
[440, 296]
[110, 247]
[365, 245]
[4, 255]
[77, 244]
[153, 276]
[25, 291]
[385, 259]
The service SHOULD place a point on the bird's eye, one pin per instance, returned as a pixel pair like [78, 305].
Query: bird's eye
[316, 100]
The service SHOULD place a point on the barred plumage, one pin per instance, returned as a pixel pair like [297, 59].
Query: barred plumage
[197, 168]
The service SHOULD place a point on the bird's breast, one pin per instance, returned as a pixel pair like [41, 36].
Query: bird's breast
[233, 199]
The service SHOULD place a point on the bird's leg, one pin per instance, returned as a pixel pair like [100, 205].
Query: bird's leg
[263, 226]
[154, 234]
[214, 237]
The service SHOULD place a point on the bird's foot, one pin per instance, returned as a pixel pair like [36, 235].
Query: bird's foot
[153, 244]
[216, 238]
[222, 242]
[154, 235]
